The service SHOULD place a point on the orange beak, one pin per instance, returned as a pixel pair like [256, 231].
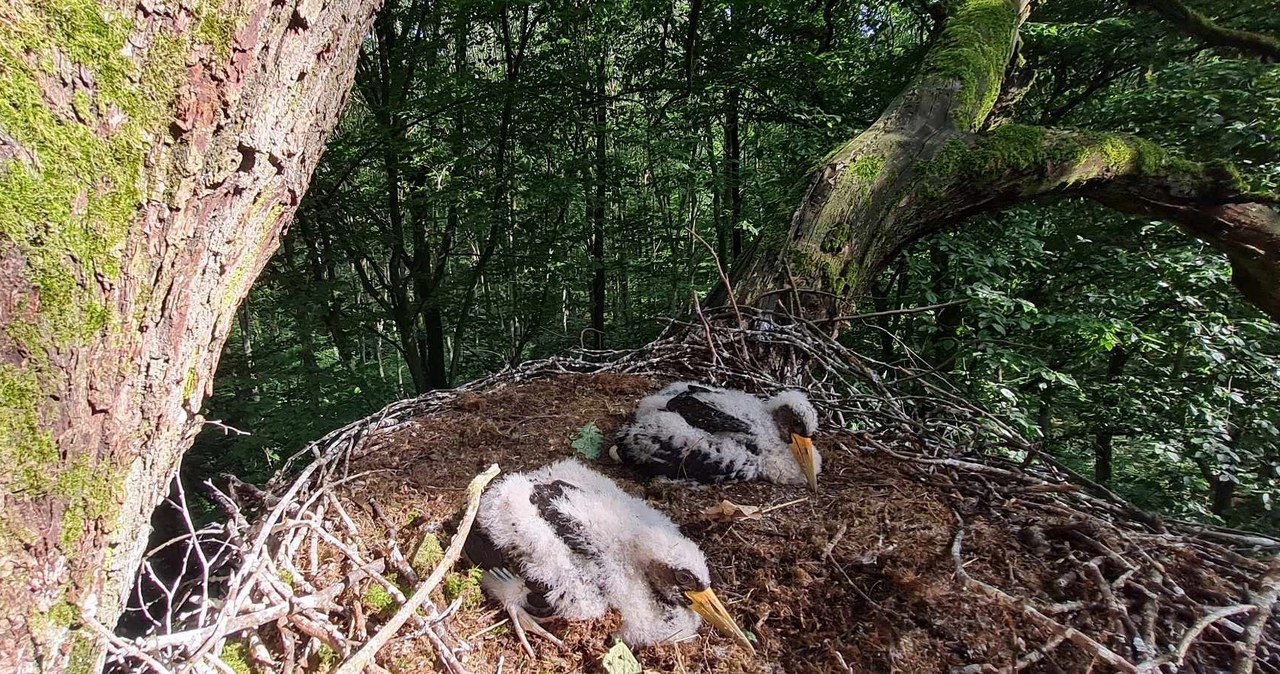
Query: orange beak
[802, 448]
[707, 605]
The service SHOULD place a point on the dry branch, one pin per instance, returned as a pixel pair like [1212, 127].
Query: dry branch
[357, 662]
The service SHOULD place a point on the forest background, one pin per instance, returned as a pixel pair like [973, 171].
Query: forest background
[511, 180]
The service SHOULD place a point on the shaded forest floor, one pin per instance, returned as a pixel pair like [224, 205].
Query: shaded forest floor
[857, 578]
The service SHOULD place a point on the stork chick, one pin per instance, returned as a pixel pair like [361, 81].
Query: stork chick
[714, 435]
[564, 541]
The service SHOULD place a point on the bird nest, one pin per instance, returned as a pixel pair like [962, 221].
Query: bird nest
[940, 541]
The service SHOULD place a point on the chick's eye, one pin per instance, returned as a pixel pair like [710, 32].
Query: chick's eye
[685, 579]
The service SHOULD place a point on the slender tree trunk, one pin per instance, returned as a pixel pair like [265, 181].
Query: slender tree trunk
[719, 218]
[1105, 434]
[733, 170]
[433, 335]
[1102, 457]
[411, 348]
[134, 246]
[946, 337]
[246, 345]
[599, 208]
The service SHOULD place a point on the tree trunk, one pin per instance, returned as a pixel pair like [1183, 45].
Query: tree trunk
[598, 211]
[732, 171]
[433, 333]
[934, 159]
[144, 185]
[1102, 455]
[246, 345]
[1105, 434]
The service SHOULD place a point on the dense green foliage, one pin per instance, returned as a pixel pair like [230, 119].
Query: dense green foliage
[504, 169]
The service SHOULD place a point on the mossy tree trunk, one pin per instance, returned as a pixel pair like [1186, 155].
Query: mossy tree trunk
[151, 153]
[937, 155]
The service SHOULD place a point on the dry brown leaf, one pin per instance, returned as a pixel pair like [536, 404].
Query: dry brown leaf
[727, 511]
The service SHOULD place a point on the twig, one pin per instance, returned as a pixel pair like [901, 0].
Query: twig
[124, 647]
[783, 505]
[446, 653]
[1265, 601]
[835, 540]
[724, 276]
[357, 662]
[1038, 654]
[896, 312]
[1184, 644]
[488, 629]
[226, 429]
[1080, 639]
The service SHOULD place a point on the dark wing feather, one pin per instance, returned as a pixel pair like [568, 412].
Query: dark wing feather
[481, 551]
[704, 416]
[665, 458]
[543, 498]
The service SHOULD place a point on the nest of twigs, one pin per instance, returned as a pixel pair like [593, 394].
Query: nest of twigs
[941, 540]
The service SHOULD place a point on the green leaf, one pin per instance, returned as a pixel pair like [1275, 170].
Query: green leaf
[619, 659]
[588, 441]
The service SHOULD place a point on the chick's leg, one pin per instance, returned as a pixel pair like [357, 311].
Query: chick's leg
[510, 590]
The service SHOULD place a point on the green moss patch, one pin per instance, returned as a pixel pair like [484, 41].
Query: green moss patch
[464, 584]
[26, 446]
[377, 599]
[236, 656]
[1071, 157]
[974, 50]
[428, 555]
[67, 202]
[91, 494]
[216, 28]
[82, 654]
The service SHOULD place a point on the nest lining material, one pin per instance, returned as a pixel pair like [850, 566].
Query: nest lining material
[941, 539]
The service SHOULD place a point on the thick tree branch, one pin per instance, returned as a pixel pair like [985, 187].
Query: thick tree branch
[1015, 163]
[1190, 22]
[923, 166]
[952, 96]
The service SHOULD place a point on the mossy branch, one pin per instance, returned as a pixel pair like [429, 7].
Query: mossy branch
[1015, 163]
[1062, 159]
[974, 51]
[1193, 23]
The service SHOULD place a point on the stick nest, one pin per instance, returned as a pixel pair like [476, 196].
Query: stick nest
[941, 539]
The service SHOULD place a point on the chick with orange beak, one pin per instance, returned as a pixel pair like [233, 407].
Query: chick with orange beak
[566, 542]
[689, 431]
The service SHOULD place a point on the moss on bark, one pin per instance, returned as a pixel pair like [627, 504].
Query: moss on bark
[1062, 158]
[67, 202]
[81, 113]
[973, 51]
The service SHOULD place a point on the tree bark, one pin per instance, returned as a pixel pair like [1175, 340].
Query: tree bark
[143, 186]
[930, 162]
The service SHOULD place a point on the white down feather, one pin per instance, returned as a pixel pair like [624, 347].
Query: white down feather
[623, 529]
